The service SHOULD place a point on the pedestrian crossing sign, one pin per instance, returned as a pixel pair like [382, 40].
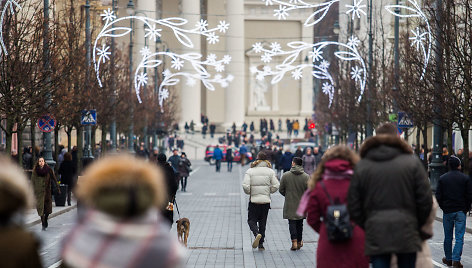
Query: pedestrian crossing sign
[404, 121]
[89, 117]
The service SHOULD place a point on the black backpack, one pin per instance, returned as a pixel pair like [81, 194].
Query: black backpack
[337, 221]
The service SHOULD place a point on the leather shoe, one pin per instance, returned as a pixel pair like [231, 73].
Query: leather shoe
[447, 262]
[457, 264]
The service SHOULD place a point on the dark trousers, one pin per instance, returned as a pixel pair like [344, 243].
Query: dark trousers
[257, 218]
[405, 260]
[230, 165]
[183, 182]
[296, 229]
[218, 165]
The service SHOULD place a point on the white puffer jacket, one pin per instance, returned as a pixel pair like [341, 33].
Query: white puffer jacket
[260, 181]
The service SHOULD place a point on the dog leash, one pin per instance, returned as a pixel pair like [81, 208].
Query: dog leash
[177, 207]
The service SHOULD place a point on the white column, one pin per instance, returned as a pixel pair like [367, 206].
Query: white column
[306, 94]
[235, 99]
[190, 96]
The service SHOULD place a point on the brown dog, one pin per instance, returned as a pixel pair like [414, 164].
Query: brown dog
[183, 229]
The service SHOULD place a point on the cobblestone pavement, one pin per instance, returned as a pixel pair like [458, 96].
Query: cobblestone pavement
[219, 235]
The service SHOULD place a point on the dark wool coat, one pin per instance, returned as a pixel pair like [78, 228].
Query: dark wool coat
[286, 161]
[349, 254]
[67, 172]
[19, 248]
[42, 191]
[184, 167]
[389, 196]
[292, 185]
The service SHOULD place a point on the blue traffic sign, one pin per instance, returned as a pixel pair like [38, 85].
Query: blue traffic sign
[89, 117]
[404, 121]
[46, 123]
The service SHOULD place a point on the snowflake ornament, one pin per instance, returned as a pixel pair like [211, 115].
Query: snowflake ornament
[326, 88]
[177, 63]
[142, 79]
[297, 74]
[316, 54]
[108, 15]
[202, 25]
[223, 26]
[164, 94]
[356, 9]
[281, 13]
[152, 32]
[353, 41]
[275, 47]
[356, 73]
[418, 38]
[213, 38]
[103, 53]
[145, 51]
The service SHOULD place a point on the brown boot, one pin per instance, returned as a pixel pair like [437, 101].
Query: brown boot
[300, 245]
[294, 244]
[457, 264]
[447, 262]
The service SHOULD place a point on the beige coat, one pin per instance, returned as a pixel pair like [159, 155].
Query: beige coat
[260, 182]
[423, 258]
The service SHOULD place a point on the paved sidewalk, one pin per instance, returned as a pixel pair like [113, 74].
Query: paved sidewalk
[219, 234]
[31, 216]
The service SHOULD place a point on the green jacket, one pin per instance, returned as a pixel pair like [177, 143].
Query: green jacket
[292, 185]
[42, 191]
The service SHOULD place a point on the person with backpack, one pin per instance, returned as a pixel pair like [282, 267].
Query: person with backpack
[292, 186]
[341, 242]
[390, 198]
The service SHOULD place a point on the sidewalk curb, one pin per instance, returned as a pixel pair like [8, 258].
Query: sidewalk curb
[248, 255]
[467, 229]
[55, 214]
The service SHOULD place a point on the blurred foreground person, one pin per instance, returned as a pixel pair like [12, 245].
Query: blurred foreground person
[390, 198]
[122, 227]
[44, 181]
[329, 186]
[18, 248]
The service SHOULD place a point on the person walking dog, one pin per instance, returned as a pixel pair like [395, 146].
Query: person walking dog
[292, 185]
[259, 183]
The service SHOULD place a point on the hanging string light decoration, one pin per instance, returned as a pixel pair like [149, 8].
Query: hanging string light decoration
[153, 29]
[9, 4]
[419, 37]
[319, 65]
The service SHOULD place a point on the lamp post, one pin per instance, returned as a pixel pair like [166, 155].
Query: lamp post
[47, 68]
[113, 87]
[88, 157]
[396, 55]
[436, 165]
[130, 11]
[369, 128]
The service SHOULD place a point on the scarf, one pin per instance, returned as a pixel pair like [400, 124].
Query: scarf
[42, 171]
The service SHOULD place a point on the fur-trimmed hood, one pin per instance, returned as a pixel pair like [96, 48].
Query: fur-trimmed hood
[261, 163]
[15, 191]
[384, 147]
[122, 186]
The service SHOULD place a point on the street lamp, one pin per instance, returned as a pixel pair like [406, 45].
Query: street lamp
[88, 157]
[369, 127]
[130, 11]
[113, 87]
[46, 63]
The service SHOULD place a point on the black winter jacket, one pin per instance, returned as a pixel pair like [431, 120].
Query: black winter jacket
[454, 192]
[389, 196]
[67, 171]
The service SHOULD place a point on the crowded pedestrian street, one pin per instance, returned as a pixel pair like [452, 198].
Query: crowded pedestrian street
[219, 234]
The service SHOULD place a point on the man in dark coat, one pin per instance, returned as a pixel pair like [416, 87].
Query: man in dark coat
[212, 130]
[390, 197]
[174, 161]
[286, 161]
[454, 195]
[172, 184]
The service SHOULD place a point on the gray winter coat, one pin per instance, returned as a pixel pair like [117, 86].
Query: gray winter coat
[309, 164]
[292, 185]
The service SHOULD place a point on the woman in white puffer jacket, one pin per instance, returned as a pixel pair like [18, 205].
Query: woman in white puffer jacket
[259, 183]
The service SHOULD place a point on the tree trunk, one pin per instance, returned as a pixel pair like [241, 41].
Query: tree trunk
[69, 138]
[56, 145]
[8, 134]
[93, 140]
[465, 141]
[33, 141]
[425, 141]
[19, 133]
[80, 147]
[104, 140]
[418, 145]
[449, 140]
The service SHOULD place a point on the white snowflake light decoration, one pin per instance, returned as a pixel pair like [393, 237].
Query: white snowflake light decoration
[420, 38]
[153, 27]
[356, 9]
[297, 49]
[284, 7]
[9, 4]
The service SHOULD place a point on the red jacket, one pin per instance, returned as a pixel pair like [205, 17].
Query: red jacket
[348, 254]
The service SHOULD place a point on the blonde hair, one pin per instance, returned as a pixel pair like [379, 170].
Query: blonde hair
[336, 152]
[117, 176]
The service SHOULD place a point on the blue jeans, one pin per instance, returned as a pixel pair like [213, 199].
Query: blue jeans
[404, 260]
[450, 221]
